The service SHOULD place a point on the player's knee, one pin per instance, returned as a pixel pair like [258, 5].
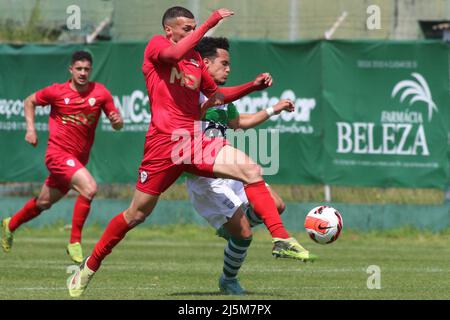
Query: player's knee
[247, 234]
[90, 191]
[43, 204]
[252, 173]
[135, 218]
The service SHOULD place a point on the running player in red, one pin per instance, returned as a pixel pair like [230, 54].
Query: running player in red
[175, 75]
[76, 106]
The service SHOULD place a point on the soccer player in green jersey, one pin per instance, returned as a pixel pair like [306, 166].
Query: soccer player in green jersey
[223, 202]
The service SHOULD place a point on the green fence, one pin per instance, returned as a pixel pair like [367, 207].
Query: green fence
[367, 113]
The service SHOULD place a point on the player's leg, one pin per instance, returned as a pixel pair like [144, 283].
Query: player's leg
[218, 204]
[279, 203]
[141, 207]
[253, 218]
[32, 208]
[235, 252]
[144, 201]
[83, 182]
[235, 164]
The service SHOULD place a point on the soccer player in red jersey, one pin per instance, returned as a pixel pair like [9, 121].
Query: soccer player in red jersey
[76, 106]
[175, 75]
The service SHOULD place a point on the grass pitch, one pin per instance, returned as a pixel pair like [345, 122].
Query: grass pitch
[185, 262]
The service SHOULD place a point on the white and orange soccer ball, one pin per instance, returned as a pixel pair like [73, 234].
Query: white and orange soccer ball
[323, 224]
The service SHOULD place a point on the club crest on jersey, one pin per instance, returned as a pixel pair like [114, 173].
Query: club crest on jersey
[91, 101]
[66, 100]
[70, 163]
[144, 176]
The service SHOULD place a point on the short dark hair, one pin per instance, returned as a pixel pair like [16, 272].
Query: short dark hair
[80, 56]
[176, 12]
[207, 47]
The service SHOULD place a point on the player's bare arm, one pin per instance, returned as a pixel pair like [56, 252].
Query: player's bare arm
[182, 32]
[29, 106]
[246, 121]
[283, 105]
[116, 120]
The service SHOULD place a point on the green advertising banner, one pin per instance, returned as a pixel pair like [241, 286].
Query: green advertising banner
[387, 117]
[295, 68]
[367, 113]
[115, 156]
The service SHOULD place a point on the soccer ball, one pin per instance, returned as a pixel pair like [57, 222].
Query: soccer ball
[323, 224]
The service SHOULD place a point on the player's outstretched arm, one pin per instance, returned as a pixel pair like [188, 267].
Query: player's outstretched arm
[29, 106]
[250, 120]
[175, 53]
[262, 81]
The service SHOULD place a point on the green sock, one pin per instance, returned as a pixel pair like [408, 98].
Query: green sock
[234, 256]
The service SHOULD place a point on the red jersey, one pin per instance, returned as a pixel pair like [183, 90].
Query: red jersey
[174, 89]
[74, 116]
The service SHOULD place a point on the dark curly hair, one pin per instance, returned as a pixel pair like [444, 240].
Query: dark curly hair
[208, 46]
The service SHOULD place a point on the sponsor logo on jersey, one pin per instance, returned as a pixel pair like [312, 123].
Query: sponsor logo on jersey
[79, 118]
[186, 80]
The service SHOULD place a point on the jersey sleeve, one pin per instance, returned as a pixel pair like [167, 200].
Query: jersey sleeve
[45, 96]
[207, 85]
[154, 47]
[108, 105]
[232, 111]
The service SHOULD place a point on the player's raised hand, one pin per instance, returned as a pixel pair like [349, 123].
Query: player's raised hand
[116, 120]
[263, 81]
[31, 137]
[284, 104]
[224, 13]
[217, 17]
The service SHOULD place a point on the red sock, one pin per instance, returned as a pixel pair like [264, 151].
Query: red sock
[28, 212]
[114, 232]
[259, 197]
[80, 214]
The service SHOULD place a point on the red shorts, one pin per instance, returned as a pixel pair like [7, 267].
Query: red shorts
[62, 166]
[165, 160]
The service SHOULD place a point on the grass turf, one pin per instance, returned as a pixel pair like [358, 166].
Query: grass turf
[185, 261]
